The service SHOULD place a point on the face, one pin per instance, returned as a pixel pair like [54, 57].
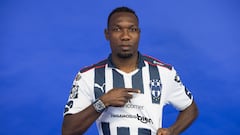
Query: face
[123, 34]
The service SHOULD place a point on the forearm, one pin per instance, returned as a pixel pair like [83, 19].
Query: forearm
[184, 119]
[78, 123]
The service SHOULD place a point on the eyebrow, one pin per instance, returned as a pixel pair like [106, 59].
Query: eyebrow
[116, 25]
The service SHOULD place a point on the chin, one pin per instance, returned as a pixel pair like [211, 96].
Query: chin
[124, 55]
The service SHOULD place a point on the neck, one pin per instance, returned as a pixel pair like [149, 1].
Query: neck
[126, 64]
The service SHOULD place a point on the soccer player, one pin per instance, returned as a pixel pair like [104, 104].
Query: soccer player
[125, 93]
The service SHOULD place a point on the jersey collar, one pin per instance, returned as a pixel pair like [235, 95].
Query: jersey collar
[140, 61]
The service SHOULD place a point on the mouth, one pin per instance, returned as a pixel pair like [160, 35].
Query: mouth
[125, 47]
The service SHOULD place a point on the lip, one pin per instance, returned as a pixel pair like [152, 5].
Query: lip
[125, 47]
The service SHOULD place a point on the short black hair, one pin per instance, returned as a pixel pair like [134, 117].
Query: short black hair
[121, 9]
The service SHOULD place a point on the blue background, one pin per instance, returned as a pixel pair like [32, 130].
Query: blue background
[44, 43]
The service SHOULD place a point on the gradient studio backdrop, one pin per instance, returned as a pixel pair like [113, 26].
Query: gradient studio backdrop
[44, 43]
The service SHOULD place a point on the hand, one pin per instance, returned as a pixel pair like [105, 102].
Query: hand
[118, 97]
[164, 131]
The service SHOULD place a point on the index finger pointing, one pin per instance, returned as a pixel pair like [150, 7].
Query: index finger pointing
[133, 90]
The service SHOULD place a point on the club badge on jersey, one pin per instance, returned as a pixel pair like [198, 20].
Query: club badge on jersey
[156, 88]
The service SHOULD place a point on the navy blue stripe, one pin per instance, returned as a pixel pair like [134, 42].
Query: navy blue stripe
[123, 131]
[99, 80]
[118, 81]
[137, 81]
[154, 74]
[105, 128]
[155, 84]
[144, 131]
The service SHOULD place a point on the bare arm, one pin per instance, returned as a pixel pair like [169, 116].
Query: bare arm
[78, 123]
[184, 120]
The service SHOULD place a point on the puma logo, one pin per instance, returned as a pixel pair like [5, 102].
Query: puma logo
[102, 88]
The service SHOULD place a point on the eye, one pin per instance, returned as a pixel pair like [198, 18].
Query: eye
[116, 29]
[133, 29]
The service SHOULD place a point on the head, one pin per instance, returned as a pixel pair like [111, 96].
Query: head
[123, 32]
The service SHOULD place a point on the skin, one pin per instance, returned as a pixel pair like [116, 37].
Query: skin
[184, 120]
[123, 35]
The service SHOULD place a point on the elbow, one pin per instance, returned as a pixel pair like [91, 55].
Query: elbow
[193, 111]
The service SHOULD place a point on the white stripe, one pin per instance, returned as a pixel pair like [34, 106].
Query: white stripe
[134, 130]
[128, 81]
[108, 78]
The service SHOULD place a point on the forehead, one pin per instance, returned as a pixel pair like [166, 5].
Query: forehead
[123, 18]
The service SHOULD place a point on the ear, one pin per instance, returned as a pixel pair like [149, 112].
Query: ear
[106, 33]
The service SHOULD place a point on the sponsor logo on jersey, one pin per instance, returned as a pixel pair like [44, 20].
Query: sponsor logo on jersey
[156, 62]
[124, 116]
[132, 106]
[156, 87]
[100, 87]
[144, 119]
[78, 77]
[177, 78]
[188, 93]
[138, 117]
[68, 106]
[74, 92]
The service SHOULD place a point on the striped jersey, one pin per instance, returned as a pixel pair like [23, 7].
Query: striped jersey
[142, 115]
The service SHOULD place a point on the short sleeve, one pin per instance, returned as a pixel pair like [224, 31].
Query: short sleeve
[80, 96]
[178, 95]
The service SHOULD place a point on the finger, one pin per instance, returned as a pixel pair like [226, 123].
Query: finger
[163, 131]
[128, 96]
[130, 90]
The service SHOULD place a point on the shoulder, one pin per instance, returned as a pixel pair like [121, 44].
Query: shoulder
[155, 62]
[100, 64]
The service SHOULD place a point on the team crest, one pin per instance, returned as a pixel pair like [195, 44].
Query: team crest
[156, 87]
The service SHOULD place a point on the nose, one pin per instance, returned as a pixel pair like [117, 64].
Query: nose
[125, 35]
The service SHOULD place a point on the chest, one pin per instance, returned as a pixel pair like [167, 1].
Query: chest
[148, 81]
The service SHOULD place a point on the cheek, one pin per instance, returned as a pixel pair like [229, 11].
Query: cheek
[112, 45]
[114, 37]
[113, 40]
[136, 41]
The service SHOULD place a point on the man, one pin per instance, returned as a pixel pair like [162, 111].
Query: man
[126, 92]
